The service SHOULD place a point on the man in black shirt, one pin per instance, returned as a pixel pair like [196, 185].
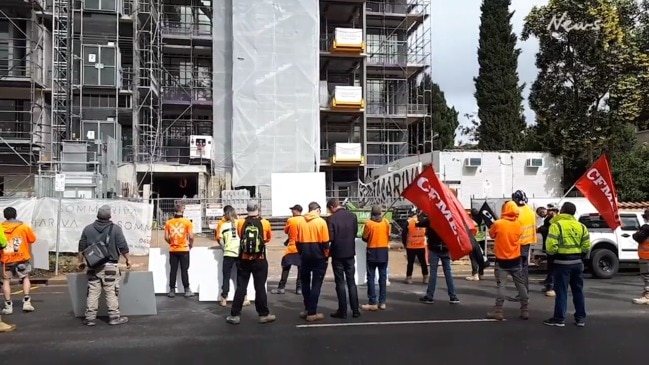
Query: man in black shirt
[343, 226]
[550, 212]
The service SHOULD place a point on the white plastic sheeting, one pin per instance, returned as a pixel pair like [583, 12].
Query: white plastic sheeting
[222, 84]
[275, 77]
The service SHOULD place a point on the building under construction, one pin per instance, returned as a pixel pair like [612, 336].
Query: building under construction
[173, 98]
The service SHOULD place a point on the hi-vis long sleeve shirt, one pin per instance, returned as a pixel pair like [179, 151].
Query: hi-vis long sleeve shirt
[568, 240]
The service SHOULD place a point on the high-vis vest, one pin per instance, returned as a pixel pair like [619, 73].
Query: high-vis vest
[416, 235]
[527, 217]
[643, 250]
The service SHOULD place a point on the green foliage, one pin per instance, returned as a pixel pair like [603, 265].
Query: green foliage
[589, 92]
[498, 93]
[630, 171]
[444, 119]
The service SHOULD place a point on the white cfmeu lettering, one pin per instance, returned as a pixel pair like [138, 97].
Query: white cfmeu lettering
[597, 179]
[433, 195]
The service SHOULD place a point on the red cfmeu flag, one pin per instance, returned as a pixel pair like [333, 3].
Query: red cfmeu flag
[597, 186]
[433, 198]
[470, 224]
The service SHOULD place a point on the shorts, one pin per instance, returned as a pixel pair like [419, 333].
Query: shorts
[18, 270]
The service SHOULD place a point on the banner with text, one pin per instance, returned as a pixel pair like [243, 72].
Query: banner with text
[388, 187]
[134, 218]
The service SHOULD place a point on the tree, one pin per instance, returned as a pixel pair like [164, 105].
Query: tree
[630, 171]
[587, 95]
[498, 93]
[444, 119]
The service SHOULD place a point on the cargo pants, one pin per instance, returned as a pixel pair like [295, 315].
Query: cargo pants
[105, 278]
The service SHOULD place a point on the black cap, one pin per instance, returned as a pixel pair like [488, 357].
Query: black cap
[297, 207]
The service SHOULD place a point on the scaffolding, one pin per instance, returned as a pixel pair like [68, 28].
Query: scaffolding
[186, 76]
[399, 51]
[148, 74]
[22, 80]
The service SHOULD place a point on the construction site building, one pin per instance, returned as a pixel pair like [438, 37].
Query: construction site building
[184, 98]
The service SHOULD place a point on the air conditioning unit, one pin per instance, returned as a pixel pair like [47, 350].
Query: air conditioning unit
[534, 162]
[473, 162]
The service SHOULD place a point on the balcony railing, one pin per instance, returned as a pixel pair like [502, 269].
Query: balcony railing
[187, 95]
[7, 133]
[182, 29]
[412, 7]
[173, 155]
[395, 110]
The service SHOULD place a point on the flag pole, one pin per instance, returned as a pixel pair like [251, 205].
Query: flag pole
[568, 192]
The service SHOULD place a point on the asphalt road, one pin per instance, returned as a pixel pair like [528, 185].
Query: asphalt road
[187, 331]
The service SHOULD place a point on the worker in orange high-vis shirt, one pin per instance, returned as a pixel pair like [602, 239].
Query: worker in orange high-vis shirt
[506, 233]
[179, 234]
[291, 257]
[313, 246]
[377, 235]
[414, 238]
[527, 218]
[16, 258]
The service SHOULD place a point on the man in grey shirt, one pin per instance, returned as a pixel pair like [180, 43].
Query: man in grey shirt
[107, 276]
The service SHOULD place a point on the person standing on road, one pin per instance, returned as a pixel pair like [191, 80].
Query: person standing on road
[255, 233]
[179, 234]
[343, 226]
[377, 235]
[527, 217]
[231, 243]
[16, 259]
[437, 251]
[550, 212]
[291, 257]
[313, 246]
[568, 243]
[506, 233]
[4, 327]
[642, 237]
[107, 276]
[477, 270]
[414, 238]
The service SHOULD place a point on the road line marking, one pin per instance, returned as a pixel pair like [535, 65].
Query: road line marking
[432, 321]
[20, 291]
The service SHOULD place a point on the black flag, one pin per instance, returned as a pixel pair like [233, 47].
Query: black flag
[488, 216]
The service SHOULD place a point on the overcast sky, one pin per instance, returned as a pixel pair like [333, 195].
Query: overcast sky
[455, 43]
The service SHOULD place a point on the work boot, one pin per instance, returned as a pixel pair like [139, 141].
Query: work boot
[642, 300]
[9, 307]
[425, 279]
[233, 319]
[171, 293]
[496, 313]
[408, 279]
[267, 319]
[188, 293]
[315, 317]
[370, 307]
[525, 313]
[475, 277]
[6, 327]
[246, 302]
[117, 321]
[27, 305]
[223, 302]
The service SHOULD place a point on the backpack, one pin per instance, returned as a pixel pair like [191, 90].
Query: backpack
[252, 237]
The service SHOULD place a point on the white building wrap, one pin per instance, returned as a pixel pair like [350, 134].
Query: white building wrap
[222, 84]
[275, 116]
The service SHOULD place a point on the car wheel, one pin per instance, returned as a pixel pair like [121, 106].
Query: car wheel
[604, 263]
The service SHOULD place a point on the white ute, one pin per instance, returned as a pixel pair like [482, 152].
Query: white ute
[610, 248]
